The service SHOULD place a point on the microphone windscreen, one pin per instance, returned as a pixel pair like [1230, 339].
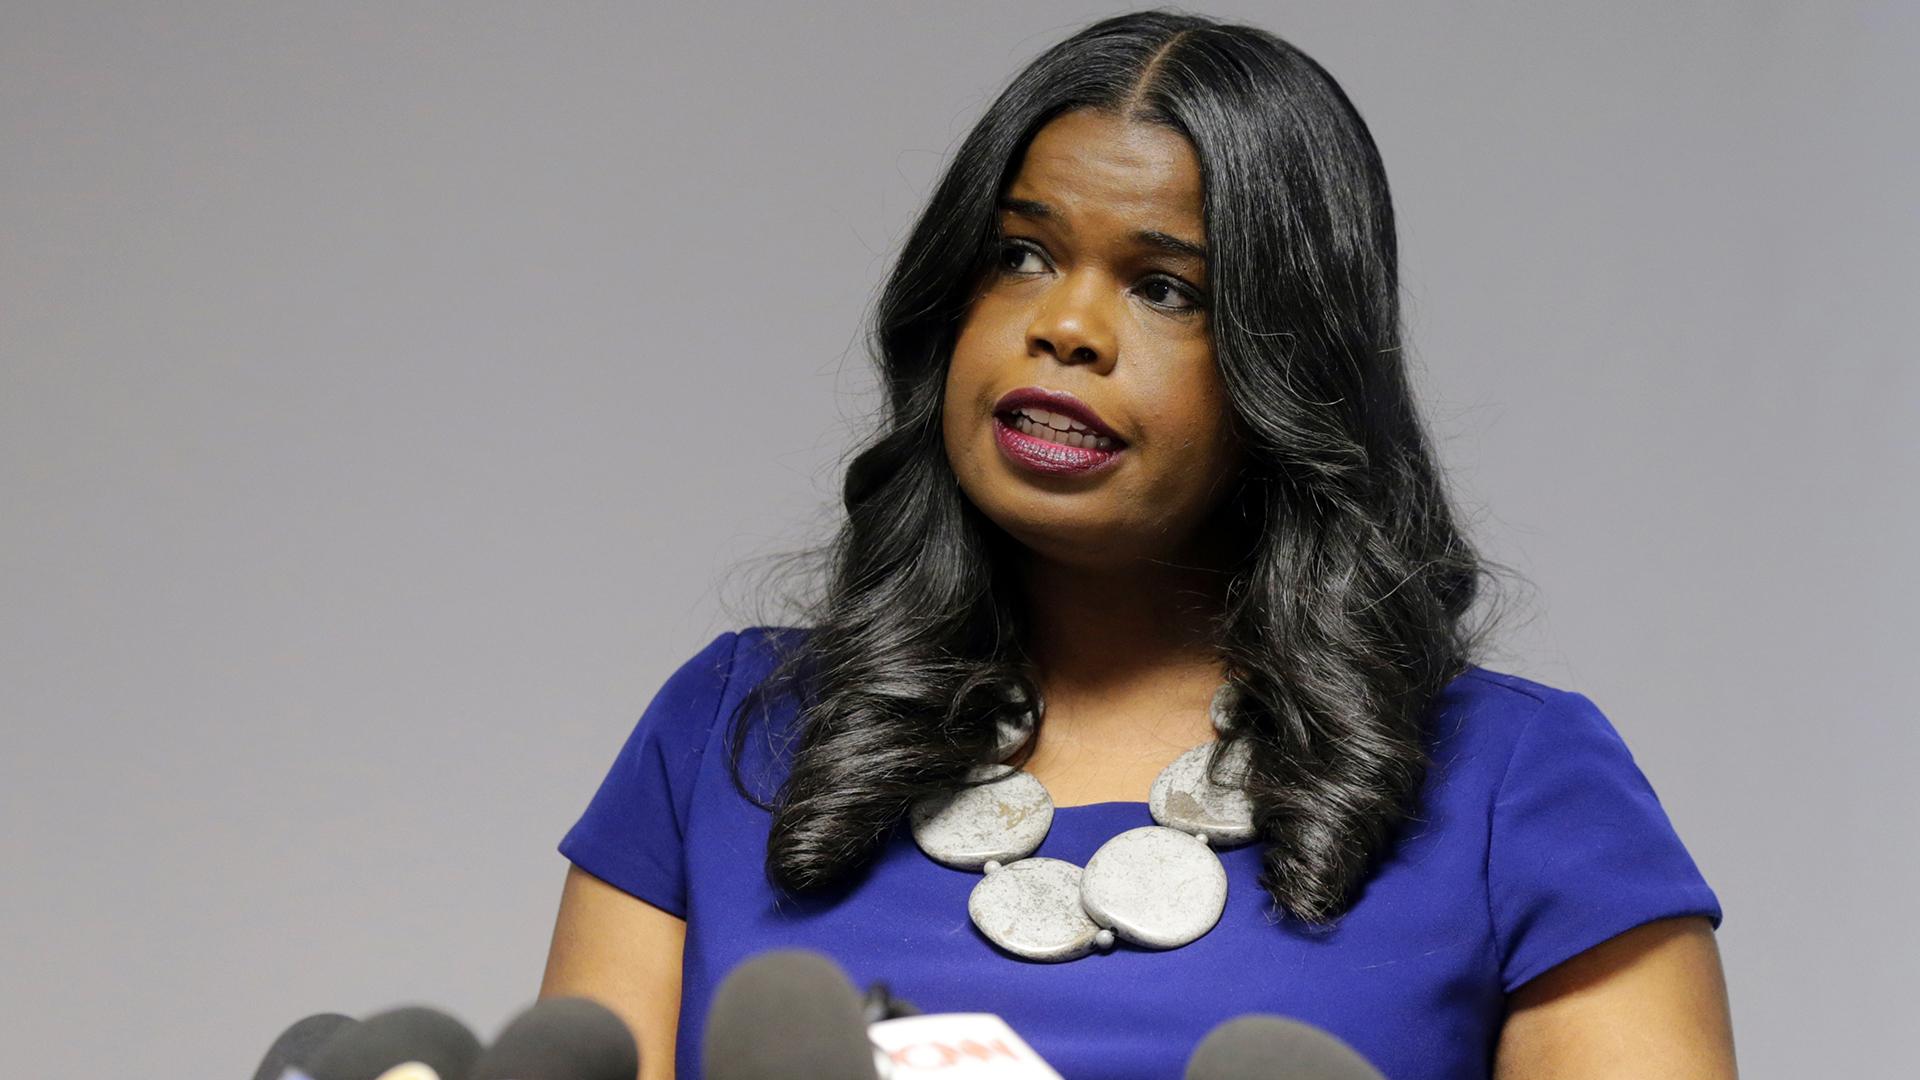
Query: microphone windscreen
[1274, 1048]
[296, 1046]
[413, 1033]
[783, 1014]
[562, 1038]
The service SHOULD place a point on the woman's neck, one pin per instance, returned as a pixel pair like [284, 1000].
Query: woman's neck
[1116, 648]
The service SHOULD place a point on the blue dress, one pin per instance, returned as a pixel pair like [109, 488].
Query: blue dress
[1539, 838]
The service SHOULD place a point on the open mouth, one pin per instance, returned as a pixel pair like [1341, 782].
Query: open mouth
[1044, 449]
[1055, 428]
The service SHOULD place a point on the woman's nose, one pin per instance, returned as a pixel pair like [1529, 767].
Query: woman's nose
[1071, 324]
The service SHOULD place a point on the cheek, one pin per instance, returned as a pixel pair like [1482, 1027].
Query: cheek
[985, 333]
[962, 400]
[1199, 422]
[970, 369]
[953, 430]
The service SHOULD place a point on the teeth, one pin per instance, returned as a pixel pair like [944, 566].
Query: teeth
[1082, 439]
[1054, 420]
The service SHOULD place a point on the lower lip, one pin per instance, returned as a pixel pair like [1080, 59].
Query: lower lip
[1055, 459]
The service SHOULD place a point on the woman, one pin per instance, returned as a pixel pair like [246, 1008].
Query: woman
[1150, 476]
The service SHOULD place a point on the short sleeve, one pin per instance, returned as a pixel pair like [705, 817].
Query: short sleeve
[1581, 849]
[632, 831]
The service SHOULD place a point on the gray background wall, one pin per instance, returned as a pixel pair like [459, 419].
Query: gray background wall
[367, 374]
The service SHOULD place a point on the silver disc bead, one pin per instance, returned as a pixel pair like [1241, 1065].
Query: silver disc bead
[1184, 797]
[1155, 887]
[1032, 908]
[1001, 821]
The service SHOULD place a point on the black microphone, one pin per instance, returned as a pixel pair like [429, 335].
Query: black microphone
[433, 1044]
[295, 1047]
[1256, 1047]
[562, 1038]
[785, 1014]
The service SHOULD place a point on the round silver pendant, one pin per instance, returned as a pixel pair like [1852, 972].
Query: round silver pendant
[999, 821]
[1184, 798]
[1031, 908]
[1155, 887]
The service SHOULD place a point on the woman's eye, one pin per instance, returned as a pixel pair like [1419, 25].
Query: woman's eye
[1012, 255]
[1184, 301]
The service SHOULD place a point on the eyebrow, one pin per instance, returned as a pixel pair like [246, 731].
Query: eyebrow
[1152, 238]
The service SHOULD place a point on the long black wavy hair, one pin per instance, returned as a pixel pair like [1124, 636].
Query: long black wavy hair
[1347, 610]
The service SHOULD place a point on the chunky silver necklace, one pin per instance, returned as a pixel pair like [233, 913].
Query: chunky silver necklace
[1157, 886]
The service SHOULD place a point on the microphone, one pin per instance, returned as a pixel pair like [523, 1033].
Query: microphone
[793, 1013]
[296, 1046]
[786, 1013]
[562, 1038]
[1257, 1047]
[409, 1043]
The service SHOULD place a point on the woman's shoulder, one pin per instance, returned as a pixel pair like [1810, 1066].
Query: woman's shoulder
[1579, 846]
[1484, 712]
[1488, 692]
[751, 654]
[758, 649]
[733, 659]
[767, 642]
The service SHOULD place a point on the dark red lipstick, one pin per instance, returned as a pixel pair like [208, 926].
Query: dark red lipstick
[1033, 427]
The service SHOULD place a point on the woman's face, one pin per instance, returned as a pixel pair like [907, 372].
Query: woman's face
[1079, 303]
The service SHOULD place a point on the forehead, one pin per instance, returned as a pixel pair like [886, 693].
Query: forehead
[1093, 165]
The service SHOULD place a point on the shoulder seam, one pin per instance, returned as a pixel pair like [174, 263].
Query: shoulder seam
[699, 752]
[1493, 810]
[726, 681]
[1487, 677]
[719, 699]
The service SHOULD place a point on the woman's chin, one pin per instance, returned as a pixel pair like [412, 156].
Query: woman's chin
[1086, 546]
